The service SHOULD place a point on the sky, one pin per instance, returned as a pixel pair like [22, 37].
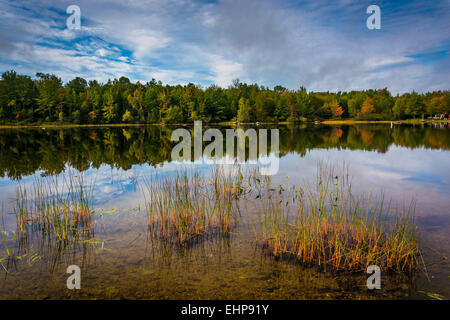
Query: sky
[321, 45]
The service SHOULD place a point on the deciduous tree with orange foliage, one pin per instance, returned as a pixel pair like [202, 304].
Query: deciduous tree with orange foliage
[367, 106]
[338, 111]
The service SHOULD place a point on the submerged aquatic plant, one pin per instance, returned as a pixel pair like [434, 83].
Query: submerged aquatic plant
[332, 228]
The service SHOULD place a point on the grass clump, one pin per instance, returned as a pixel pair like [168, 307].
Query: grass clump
[332, 228]
[59, 208]
[187, 205]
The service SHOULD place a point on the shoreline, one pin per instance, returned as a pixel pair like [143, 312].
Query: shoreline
[228, 123]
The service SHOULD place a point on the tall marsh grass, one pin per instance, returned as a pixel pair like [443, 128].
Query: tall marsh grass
[323, 223]
[327, 225]
[188, 205]
[56, 207]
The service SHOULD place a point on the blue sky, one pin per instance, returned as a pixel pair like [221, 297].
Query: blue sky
[322, 45]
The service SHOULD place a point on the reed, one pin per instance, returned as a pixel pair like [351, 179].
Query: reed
[326, 225]
[9, 248]
[56, 207]
[187, 205]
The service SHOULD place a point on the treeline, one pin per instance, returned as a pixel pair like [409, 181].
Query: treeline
[47, 99]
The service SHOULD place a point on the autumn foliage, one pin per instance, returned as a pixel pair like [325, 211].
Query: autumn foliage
[367, 106]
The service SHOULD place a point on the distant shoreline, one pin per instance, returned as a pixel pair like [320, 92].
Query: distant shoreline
[229, 123]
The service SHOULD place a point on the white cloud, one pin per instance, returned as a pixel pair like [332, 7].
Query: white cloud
[318, 44]
[102, 52]
[375, 62]
[144, 42]
[224, 70]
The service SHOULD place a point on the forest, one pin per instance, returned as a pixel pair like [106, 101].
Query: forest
[46, 99]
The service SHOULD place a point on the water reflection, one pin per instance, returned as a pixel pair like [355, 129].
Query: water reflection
[124, 261]
[25, 151]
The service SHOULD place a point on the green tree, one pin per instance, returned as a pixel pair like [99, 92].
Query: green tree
[173, 115]
[244, 114]
[127, 117]
[110, 110]
[48, 86]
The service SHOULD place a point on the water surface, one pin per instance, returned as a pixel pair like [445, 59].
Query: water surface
[121, 260]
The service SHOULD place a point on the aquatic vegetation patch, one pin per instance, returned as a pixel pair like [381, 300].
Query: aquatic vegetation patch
[187, 205]
[59, 208]
[325, 224]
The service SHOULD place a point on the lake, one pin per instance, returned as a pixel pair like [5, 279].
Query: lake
[120, 258]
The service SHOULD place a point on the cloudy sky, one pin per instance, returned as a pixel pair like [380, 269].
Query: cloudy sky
[322, 45]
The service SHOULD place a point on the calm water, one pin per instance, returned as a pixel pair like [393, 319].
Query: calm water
[122, 261]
